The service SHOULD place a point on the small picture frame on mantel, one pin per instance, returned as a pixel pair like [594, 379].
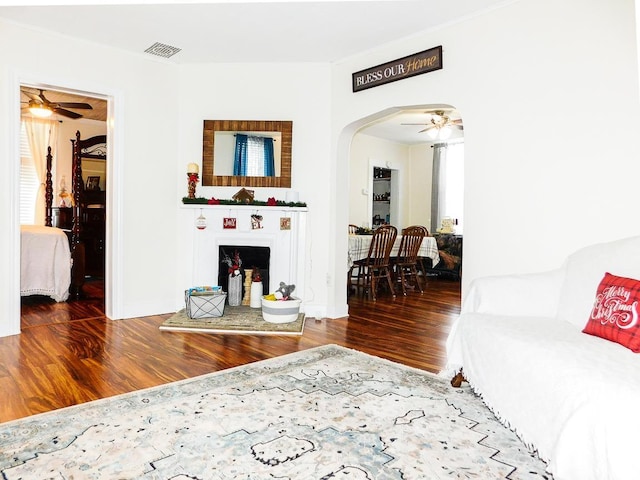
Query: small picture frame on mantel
[285, 223]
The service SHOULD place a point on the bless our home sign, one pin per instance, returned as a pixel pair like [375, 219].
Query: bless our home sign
[409, 66]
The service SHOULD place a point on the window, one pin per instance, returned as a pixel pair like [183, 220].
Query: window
[448, 185]
[29, 184]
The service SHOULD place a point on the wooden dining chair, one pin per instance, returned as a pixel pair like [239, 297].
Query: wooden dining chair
[376, 265]
[406, 261]
[353, 229]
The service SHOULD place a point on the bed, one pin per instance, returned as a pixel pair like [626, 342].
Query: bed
[53, 259]
[45, 263]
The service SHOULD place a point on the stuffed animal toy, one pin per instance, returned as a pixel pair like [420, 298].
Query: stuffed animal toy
[284, 291]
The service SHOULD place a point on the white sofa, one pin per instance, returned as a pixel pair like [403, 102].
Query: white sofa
[569, 395]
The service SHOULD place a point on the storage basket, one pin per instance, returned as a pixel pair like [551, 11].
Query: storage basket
[204, 304]
[279, 311]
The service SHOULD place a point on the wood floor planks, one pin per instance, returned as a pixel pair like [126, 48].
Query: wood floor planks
[69, 353]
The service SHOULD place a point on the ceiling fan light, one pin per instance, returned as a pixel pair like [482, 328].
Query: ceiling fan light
[433, 133]
[445, 132]
[39, 110]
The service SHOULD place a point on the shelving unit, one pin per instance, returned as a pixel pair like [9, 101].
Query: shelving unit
[381, 196]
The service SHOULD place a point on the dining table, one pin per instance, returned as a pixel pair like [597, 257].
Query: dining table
[359, 248]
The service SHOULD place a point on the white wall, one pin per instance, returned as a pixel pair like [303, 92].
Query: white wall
[416, 162]
[367, 151]
[144, 157]
[531, 81]
[300, 93]
[420, 183]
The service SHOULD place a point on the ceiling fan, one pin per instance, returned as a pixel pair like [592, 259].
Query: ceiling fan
[40, 106]
[440, 124]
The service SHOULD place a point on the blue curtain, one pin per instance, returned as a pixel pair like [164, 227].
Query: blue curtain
[253, 156]
[269, 164]
[240, 158]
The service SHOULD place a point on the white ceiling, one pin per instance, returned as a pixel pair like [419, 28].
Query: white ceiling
[401, 126]
[250, 31]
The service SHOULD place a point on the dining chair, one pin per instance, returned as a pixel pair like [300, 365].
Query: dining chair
[406, 261]
[353, 229]
[420, 264]
[376, 265]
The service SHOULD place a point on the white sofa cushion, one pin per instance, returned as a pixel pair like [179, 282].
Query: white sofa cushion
[584, 270]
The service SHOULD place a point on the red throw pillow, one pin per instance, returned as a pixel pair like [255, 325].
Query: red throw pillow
[615, 311]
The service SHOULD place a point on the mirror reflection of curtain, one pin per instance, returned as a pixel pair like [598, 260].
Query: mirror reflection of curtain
[41, 134]
[447, 191]
[253, 156]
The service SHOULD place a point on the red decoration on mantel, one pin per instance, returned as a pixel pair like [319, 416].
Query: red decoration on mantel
[271, 202]
[229, 222]
[213, 201]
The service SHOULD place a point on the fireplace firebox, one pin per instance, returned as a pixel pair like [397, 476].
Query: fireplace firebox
[252, 257]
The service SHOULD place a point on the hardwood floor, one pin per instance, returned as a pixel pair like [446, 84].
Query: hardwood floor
[69, 353]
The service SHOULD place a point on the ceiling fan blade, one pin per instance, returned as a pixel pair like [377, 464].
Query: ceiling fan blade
[66, 113]
[74, 105]
[459, 127]
[423, 123]
[33, 96]
[43, 98]
[426, 129]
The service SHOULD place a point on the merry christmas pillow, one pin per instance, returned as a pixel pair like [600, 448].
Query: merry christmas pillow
[615, 311]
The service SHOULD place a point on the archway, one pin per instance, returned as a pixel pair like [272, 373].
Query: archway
[358, 184]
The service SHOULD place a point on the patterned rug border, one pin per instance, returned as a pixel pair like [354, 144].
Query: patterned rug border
[229, 325]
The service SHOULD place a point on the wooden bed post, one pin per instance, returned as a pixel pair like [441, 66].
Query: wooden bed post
[77, 248]
[48, 191]
[78, 185]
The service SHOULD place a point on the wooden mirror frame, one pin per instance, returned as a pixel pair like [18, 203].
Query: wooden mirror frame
[208, 144]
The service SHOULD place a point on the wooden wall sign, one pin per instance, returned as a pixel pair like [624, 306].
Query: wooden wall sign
[409, 66]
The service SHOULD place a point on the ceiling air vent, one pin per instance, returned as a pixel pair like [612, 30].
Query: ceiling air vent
[162, 50]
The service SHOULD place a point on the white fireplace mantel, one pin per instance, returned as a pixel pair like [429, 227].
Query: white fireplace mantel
[287, 247]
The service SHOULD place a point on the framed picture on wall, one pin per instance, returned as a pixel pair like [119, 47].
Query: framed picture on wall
[93, 183]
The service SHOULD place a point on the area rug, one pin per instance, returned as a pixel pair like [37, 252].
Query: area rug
[323, 413]
[236, 320]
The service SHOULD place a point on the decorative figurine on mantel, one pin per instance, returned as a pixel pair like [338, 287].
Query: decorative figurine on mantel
[243, 196]
[192, 174]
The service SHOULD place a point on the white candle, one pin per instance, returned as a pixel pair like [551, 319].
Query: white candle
[193, 168]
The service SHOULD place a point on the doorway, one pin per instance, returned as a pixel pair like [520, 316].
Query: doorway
[71, 111]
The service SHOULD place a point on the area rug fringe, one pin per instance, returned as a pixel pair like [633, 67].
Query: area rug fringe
[523, 438]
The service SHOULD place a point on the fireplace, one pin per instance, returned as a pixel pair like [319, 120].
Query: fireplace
[282, 233]
[252, 258]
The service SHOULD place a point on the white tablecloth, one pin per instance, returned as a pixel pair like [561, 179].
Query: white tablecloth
[45, 262]
[359, 248]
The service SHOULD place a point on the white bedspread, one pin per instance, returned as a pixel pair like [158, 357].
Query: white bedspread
[45, 267]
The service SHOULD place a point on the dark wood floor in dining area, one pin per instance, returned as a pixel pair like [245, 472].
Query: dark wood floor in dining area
[69, 353]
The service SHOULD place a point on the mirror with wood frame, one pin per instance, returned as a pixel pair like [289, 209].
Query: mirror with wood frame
[219, 167]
